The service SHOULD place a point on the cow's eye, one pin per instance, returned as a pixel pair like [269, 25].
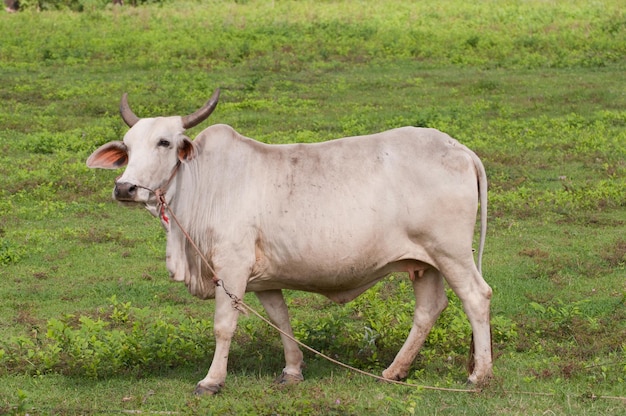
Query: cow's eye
[164, 143]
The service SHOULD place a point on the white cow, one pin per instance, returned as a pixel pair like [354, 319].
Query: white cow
[331, 218]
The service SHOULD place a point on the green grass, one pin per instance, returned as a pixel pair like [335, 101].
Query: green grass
[536, 88]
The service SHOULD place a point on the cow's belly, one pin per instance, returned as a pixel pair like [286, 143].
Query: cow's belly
[341, 282]
[339, 256]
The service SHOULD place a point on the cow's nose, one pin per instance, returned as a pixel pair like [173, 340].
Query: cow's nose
[125, 191]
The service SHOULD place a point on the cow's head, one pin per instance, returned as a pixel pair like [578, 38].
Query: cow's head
[151, 150]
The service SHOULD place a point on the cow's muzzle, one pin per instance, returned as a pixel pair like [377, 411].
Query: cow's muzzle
[125, 191]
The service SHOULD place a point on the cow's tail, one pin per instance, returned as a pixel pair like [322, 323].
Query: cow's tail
[482, 195]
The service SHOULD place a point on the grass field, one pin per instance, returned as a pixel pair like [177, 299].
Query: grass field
[91, 324]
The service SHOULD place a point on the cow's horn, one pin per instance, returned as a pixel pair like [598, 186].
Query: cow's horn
[202, 114]
[127, 114]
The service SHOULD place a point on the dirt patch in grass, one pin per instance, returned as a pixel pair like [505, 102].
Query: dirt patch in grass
[615, 255]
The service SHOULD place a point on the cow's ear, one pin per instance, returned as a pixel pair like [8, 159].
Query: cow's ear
[186, 150]
[112, 155]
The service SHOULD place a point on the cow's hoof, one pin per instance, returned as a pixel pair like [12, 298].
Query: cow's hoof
[207, 390]
[285, 378]
[388, 380]
[478, 384]
[394, 375]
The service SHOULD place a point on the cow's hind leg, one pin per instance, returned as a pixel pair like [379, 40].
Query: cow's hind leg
[274, 304]
[475, 294]
[430, 301]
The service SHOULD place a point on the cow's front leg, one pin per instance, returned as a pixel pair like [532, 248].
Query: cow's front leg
[274, 304]
[224, 327]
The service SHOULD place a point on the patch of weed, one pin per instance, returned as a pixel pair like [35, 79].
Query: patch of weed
[10, 252]
[121, 339]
